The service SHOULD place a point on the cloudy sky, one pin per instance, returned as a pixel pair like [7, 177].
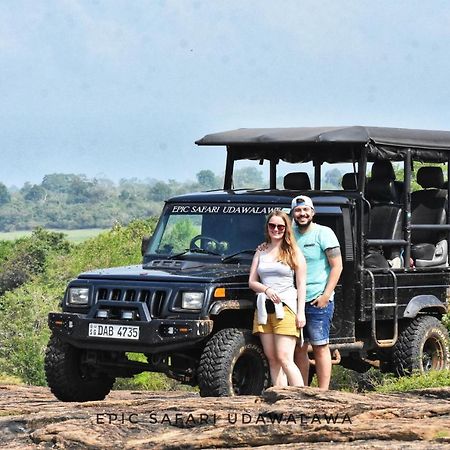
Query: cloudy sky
[123, 88]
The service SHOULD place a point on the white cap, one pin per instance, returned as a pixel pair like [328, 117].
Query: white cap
[302, 200]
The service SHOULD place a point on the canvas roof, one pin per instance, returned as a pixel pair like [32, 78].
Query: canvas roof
[332, 143]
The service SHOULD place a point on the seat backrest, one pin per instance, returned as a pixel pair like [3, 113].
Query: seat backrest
[428, 206]
[297, 181]
[385, 214]
[383, 172]
[349, 181]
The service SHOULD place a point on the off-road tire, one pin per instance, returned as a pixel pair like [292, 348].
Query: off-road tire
[423, 345]
[66, 377]
[233, 363]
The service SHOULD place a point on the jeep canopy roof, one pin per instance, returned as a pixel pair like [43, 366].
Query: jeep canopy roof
[332, 144]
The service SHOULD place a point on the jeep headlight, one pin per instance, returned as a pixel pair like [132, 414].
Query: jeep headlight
[192, 300]
[78, 296]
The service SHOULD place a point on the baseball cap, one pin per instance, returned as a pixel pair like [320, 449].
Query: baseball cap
[302, 200]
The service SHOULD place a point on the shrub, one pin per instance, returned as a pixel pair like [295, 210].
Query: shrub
[432, 379]
[24, 332]
[34, 276]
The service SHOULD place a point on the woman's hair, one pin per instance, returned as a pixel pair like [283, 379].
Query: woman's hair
[288, 249]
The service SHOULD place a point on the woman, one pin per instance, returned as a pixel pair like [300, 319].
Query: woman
[272, 278]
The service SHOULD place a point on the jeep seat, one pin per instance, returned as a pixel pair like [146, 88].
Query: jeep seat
[385, 214]
[383, 172]
[297, 181]
[428, 206]
[349, 181]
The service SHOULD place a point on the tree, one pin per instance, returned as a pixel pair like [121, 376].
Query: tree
[160, 191]
[208, 180]
[333, 176]
[35, 194]
[248, 177]
[5, 196]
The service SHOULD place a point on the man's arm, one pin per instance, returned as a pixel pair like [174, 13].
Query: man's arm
[335, 260]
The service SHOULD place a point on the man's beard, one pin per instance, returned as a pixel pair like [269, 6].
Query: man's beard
[303, 226]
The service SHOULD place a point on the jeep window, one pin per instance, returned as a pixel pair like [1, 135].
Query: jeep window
[214, 229]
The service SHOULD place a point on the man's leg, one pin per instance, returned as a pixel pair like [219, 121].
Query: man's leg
[302, 360]
[322, 357]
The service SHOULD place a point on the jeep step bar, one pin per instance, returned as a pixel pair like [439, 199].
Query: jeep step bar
[377, 306]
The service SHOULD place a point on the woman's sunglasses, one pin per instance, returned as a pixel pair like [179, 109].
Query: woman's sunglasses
[275, 226]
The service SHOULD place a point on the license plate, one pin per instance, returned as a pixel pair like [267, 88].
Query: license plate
[113, 331]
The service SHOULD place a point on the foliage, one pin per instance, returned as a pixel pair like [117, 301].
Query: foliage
[178, 238]
[49, 264]
[24, 332]
[119, 246]
[446, 320]
[399, 173]
[28, 257]
[5, 196]
[148, 381]
[432, 379]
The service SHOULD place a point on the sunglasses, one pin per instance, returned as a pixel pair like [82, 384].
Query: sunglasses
[275, 226]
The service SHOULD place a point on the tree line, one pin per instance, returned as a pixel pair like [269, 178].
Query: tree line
[73, 201]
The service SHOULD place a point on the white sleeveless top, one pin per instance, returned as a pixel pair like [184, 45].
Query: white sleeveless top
[279, 277]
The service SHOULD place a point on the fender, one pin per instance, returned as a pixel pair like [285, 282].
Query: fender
[419, 302]
[222, 305]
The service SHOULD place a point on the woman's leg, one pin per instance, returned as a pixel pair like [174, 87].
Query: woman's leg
[284, 347]
[276, 372]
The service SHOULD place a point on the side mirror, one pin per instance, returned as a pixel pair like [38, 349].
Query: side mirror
[144, 244]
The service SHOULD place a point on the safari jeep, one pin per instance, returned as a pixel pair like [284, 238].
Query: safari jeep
[188, 307]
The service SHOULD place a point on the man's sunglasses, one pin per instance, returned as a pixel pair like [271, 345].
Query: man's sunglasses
[275, 226]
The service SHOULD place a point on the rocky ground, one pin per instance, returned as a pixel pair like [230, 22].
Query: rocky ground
[295, 418]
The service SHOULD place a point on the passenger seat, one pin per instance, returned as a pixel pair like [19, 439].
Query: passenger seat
[297, 181]
[428, 206]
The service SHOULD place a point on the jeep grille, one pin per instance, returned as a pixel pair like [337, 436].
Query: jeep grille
[153, 298]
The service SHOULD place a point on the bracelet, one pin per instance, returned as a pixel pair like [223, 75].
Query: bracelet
[266, 290]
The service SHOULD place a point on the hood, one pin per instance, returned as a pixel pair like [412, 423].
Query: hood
[193, 272]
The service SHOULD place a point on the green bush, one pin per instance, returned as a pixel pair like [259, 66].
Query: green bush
[24, 332]
[432, 379]
[29, 256]
[149, 381]
[38, 269]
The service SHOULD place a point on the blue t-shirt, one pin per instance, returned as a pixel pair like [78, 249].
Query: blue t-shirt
[313, 245]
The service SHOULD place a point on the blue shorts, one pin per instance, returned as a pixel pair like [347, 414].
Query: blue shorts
[318, 323]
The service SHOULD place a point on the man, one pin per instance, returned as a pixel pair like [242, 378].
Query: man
[321, 249]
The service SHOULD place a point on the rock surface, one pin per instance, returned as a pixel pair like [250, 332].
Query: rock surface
[306, 418]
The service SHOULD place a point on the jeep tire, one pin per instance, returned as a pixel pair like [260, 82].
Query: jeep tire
[68, 379]
[422, 346]
[233, 363]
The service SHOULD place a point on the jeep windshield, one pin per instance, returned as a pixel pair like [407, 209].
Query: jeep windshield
[225, 231]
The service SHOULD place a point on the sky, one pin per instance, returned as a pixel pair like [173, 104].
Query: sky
[122, 88]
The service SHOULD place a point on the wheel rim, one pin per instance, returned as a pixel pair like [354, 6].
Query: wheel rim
[247, 375]
[433, 355]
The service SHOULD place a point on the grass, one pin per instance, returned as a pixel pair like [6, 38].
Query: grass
[9, 379]
[75, 236]
[433, 379]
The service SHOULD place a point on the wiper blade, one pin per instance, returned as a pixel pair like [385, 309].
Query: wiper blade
[241, 252]
[202, 250]
[176, 255]
[193, 250]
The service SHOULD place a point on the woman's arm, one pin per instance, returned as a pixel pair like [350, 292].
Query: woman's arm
[300, 280]
[253, 280]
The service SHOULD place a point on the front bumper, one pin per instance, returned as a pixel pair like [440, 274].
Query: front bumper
[155, 336]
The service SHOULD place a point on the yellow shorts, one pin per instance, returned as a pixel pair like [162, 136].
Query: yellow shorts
[285, 326]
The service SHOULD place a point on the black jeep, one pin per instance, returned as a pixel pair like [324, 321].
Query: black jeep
[188, 307]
